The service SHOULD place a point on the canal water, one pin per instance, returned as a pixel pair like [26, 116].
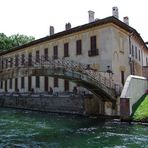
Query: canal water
[27, 129]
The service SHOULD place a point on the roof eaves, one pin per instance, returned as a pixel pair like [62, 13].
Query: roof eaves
[110, 19]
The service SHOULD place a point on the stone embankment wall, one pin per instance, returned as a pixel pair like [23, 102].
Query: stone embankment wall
[51, 104]
[73, 104]
[76, 104]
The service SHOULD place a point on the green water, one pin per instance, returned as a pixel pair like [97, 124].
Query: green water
[26, 129]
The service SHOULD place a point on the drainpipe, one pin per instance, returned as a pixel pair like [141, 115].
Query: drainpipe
[142, 56]
[130, 51]
[131, 62]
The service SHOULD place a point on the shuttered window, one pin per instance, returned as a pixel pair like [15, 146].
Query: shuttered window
[37, 56]
[66, 85]
[66, 50]
[10, 83]
[46, 54]
[55, 52]
[37, 82]
[56, 84]
[93, 44]
[23, 59]
[78, 47]
[22, 82]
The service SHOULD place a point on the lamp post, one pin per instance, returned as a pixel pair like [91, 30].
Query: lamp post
[131, 63]
[110, 73]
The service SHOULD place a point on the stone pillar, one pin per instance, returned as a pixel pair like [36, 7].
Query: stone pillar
[124, 108]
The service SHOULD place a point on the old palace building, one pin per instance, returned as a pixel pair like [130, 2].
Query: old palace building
[109, 46]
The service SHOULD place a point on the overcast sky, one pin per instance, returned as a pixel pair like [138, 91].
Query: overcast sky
[33, 17]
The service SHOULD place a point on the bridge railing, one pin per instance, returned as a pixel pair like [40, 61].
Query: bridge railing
[67, 64]
[71, 65]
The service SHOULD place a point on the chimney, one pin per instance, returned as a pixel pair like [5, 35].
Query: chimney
[115, 12]
[67, 26]
[51, 31]
[91, 16]
[126, 20]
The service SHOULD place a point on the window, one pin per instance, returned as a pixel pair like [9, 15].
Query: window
[5, 85]
[146, 61]
[66, 85]
[6, 63]
[93, 44]
[139, 55]
[78, 47]
[22, 59]
[46, 54]
[2, 64]
[93, 47]
[56, 82]
[1, 84]
[10, 83]
[16, 60]
[30, 59]
[132, 51]
[29, 83]
[122, 77]
[46, 83]
[136, 54]
[22, 82]
[37, 82]
[16, 84]
[11, 62]
[55, 52]
[66, 48]
[37, 56]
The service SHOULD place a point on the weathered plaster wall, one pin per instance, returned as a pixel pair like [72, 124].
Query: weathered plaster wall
[107, 38]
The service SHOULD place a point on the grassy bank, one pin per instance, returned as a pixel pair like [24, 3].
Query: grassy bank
[140, 109]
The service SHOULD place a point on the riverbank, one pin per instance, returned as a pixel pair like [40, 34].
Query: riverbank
[114, 119]
[72, 104]
[140, 110]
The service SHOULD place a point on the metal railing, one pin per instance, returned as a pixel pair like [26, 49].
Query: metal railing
[65, 64]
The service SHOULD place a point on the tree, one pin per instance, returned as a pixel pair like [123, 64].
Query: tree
[3, 41]
[12, 41]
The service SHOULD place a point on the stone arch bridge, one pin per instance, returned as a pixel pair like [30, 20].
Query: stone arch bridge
[64, 68]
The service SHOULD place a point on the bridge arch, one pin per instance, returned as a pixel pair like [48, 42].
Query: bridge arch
[66, 69]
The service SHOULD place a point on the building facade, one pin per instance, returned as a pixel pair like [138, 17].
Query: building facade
[108, 45]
